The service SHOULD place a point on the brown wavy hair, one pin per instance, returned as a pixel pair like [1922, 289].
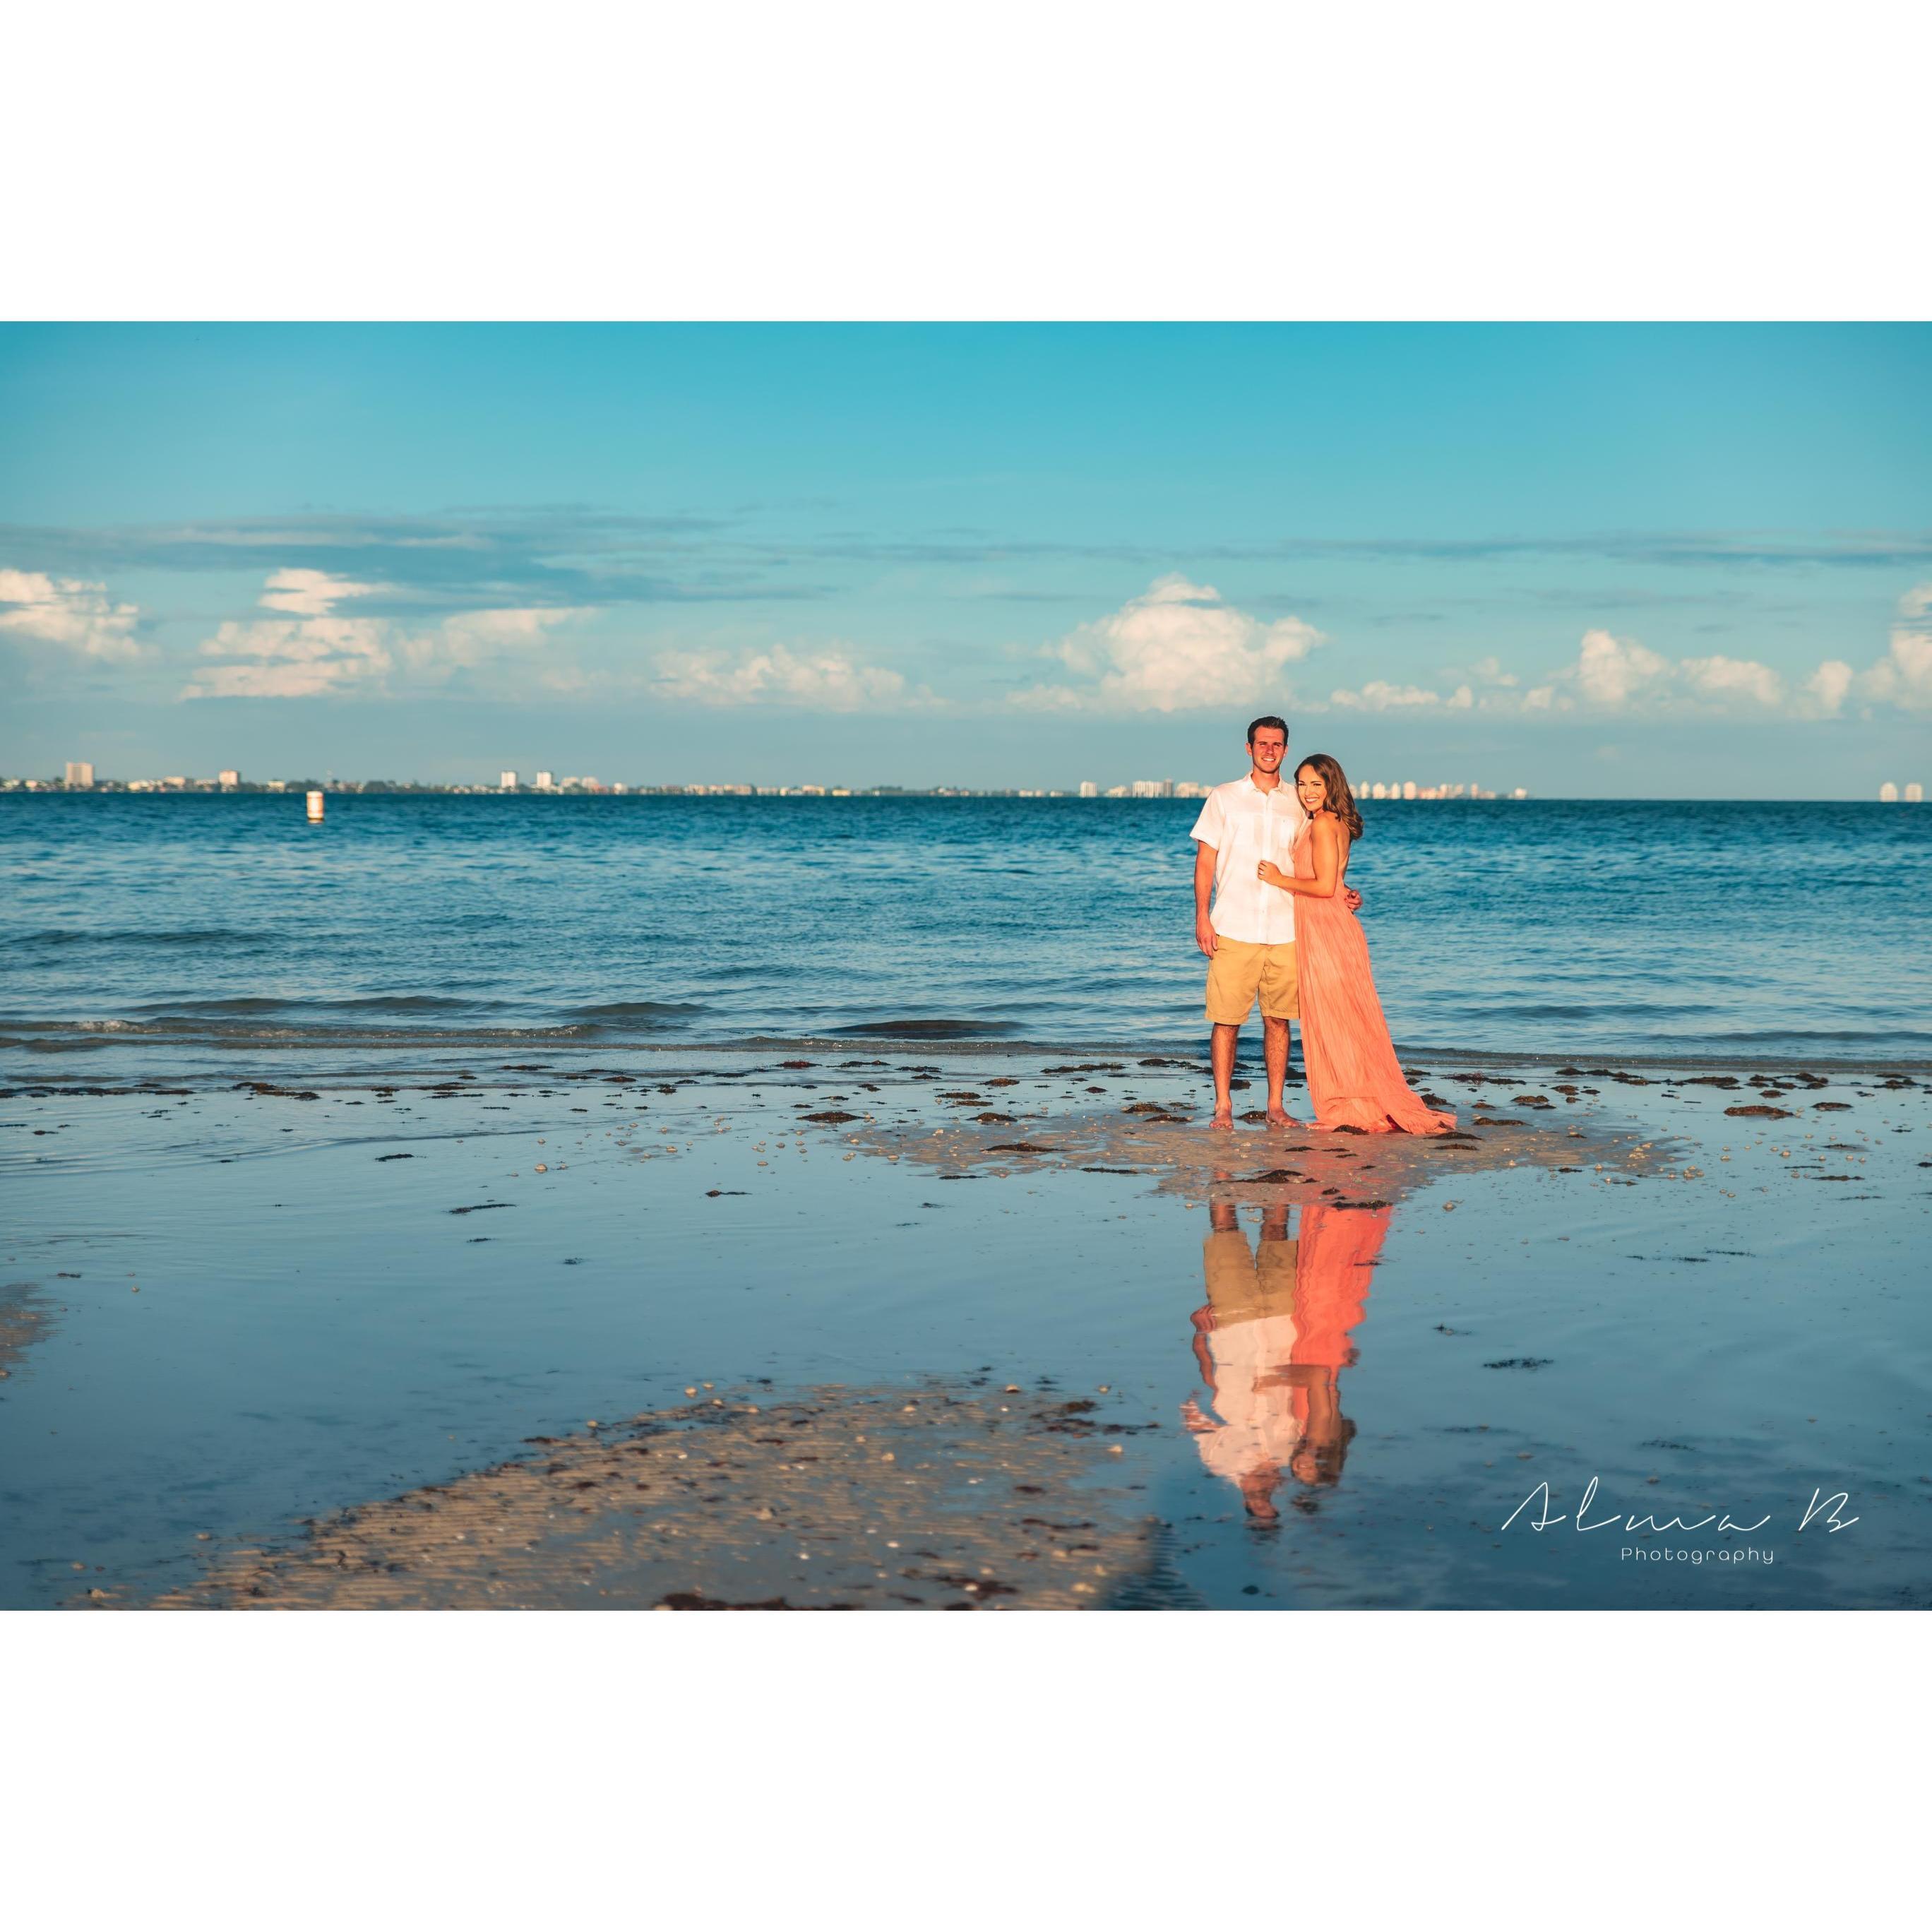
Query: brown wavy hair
[1341, 799]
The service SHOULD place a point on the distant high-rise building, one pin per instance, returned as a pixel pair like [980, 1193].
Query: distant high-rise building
[1888, 793]
[506, 780]
[228, 779]
[1088, 789]
[1409, 787]
[545, 782]
[80, 774]
[1154, 788]
[1914, 793]
[1379, 791]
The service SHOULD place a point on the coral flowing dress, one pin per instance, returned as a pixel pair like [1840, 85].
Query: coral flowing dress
[1354, 1077]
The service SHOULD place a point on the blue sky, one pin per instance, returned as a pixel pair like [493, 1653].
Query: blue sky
[1692, 560]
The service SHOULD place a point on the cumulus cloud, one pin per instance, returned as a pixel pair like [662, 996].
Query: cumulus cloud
[830, 679]
[1825, 689]
[1904, 676]
[64, 610]
[301, 655]
[1376, 695]
[314, 651]
[476, 637]
[310, 593]
[1610, 671]
[1176, 647]
[1619, 674]
[1724, 678]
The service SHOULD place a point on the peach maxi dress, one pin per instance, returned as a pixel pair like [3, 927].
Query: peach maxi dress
[1354, 1077]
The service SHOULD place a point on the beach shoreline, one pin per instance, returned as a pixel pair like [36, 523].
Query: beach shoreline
[240, 1304]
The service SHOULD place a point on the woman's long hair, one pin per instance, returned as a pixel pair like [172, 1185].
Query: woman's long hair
[1341, 799]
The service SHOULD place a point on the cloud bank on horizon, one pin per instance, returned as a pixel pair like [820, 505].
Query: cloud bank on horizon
[1178, 646]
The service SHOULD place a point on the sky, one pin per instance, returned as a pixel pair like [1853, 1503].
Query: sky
[1593, 561]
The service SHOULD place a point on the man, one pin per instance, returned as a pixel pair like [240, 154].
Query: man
[1248, 936]
[1244, 1340]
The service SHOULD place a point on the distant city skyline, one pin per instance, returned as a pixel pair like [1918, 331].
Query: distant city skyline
[80, 775]
[1602, 561]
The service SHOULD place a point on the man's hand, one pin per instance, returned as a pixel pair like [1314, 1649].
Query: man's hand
[1352, 898]
[1205, 937]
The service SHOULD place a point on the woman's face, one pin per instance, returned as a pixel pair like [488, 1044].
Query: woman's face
[1311, 788]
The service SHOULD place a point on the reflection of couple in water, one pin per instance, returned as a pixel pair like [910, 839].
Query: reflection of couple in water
[1272, 1341]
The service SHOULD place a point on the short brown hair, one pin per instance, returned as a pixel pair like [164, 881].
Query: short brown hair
[1280, 723]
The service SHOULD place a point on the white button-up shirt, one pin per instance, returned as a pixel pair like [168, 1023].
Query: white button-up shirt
[1245, 825]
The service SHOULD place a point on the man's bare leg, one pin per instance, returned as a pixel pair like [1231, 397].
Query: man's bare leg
[1274, 1051]
[1222, 1052]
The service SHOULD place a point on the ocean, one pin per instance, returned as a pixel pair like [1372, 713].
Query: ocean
[144, 932]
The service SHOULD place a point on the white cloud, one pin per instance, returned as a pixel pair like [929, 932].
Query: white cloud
[292, 659]
[1377, 695]
[313, 652]
[299, 656]
[1825, 689]
[1614, 674]
[1904, 676]
[1178, 646]
[64, 610]
[1610, 670]
[1619, 674]
[310, 593]
[1723, 678]
[476, 637]
[830, 679]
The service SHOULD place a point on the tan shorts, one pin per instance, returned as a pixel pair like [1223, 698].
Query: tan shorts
[1240, 969]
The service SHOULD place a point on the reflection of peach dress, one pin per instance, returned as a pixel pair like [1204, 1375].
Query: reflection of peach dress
[1338, 1248]
[1354, 1077]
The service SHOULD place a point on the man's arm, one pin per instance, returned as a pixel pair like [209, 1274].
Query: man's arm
[1204, 885]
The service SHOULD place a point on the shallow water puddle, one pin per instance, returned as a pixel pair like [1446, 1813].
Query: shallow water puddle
[1324, 1369]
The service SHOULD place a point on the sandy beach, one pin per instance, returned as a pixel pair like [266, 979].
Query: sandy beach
[884, 1331]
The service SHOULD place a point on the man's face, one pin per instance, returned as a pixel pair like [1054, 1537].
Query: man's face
[1267, 748]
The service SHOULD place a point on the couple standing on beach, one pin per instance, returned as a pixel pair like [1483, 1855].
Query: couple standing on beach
[1282, 930]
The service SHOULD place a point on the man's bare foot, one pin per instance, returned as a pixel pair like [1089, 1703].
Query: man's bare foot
[1224, 1117]
[1279, 1117]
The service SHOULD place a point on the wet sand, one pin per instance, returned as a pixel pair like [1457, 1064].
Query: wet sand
[845, 1499]
[282, 1342]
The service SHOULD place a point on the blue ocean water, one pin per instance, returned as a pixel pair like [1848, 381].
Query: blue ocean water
[216, 927]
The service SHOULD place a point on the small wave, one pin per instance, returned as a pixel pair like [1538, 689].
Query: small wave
[924, 1030]
[53, 938]
[246, 1007]
[645, 1010]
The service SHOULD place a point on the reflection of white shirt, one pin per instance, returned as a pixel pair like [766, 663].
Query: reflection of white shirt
[1252, 1397]
[1246, 825]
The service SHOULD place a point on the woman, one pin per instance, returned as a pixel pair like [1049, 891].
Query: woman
[1353, 1079]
